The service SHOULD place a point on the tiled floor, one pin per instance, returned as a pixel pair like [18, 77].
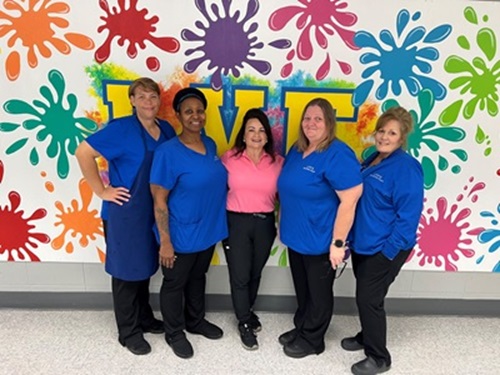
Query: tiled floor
[84, 342]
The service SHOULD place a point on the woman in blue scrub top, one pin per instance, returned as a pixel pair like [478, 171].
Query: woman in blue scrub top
[189, 186]
[128, 144]
[319, 186]
[383, 233]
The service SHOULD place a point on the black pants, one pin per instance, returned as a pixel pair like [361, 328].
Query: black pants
[247, 250]
[182, 293]
[131, 307]
[313, 278]
[374, 274]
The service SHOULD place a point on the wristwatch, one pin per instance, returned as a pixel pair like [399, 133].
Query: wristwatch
[338, 243]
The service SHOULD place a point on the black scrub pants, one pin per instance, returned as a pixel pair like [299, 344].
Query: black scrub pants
[251, 236]
[374, 275]
[182, 293]
[313, 278]
[132, 309]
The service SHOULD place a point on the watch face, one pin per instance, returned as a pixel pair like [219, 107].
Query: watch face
[339, 243]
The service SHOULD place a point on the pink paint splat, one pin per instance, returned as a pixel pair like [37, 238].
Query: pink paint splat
[445, 236]
[326, 18]
[131, 25]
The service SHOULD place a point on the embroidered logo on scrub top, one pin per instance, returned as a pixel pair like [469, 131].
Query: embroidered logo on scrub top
[377, 176]
[309, 168]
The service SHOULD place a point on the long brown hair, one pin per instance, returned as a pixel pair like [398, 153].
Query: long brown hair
[330, 123]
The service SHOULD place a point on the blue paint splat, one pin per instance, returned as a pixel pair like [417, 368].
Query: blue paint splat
[496, 268]
[402, 61]
[480, 259]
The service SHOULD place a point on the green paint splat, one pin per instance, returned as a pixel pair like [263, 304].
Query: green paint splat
[53, 119]
[478, 80]
[442, 163]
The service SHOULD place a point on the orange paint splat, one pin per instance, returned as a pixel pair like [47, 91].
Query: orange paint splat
[43, 174]
[49, 186]
[102, 255]
[78, 221]
[367, 118]
[96, 117]
[42, 18]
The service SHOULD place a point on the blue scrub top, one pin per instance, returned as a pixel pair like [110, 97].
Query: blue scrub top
[308, 200]
[388, 212]
[120, 143]
[197, 197]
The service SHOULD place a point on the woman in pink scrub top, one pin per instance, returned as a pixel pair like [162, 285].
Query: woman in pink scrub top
[253, 169]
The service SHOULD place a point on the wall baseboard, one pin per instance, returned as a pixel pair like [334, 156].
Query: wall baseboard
[280, 304]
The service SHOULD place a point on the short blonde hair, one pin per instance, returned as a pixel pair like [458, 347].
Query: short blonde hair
[402, 116]
[330, 122]
[145, 83]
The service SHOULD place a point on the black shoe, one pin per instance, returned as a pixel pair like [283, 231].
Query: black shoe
[155, 326]
[255, 323]
[287, 337]
[351, 344]
[180, 345]
[369, 366]
[300, 348]
[138, 346]
[248, 339]
[207, 329]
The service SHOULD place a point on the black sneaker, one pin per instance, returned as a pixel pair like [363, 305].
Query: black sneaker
[207, 329]
[248, 338]
[137, 345]
[255, 323]
[180, 345]
[154, 326]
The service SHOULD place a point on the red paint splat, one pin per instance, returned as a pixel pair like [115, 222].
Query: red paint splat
[130, 25]
[153, 64]
[1, 171]
[16, 231]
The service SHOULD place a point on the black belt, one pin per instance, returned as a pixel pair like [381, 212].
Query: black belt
[260, 215]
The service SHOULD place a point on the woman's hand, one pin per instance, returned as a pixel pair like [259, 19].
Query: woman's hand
[167, 257]
[118, 195]
[337, 255]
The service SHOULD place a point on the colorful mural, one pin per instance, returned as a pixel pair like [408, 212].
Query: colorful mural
[65, 67]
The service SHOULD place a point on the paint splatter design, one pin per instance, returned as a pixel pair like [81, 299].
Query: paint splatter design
[42, 16]
[359, 135]
[401, 61]
[481, 137]
[323, 17]
[445, 235]
[17, 237]
[479, 79]
[77, 221]
[54, 120]
[283, 255]
[491, 235]
[427, 136]
[226, 46]
[139, 29]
